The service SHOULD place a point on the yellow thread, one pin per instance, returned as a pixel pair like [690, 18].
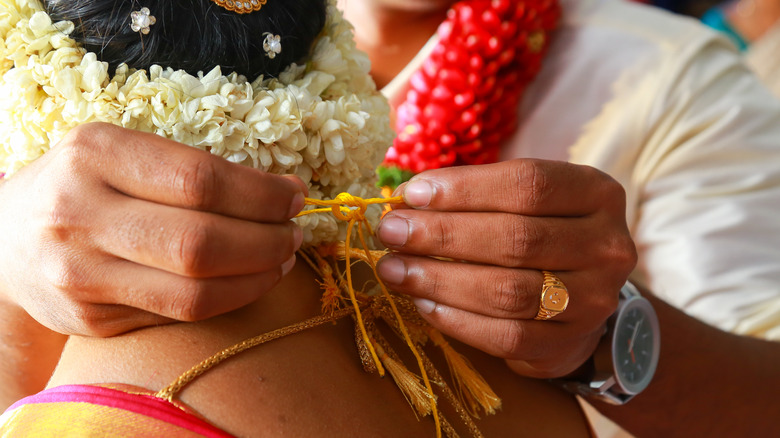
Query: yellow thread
[355, 212]
[452, 398]
[407, 338]
[351, 215]
[409, 384]
[331, 291]
[471, 388]
[339, 249]
[345, 213]
[379, 368]
[352, 210]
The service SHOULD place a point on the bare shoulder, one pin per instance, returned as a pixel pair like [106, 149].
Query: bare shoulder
[308, 384]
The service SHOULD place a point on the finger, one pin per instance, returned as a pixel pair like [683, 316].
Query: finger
[194, 243]
[104, 320]
[506, 338]
[164, 171]
[498, 292]
[552, 348]
[178, 297]
[564, 362]
[503, 239]
[485, 290]
[525, 186]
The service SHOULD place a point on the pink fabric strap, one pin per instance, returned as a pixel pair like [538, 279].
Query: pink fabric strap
[143, 404]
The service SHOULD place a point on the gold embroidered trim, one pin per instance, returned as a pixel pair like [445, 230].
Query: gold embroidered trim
[241, 7]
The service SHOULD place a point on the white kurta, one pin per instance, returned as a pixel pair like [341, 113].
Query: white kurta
[666, 107]
[763, 56]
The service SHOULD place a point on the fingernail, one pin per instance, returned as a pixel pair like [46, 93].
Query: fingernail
[296, 205]
[392, 270]
[418, 194]
[297, 238]
[288, 265]
[393, 231]
[424, 306]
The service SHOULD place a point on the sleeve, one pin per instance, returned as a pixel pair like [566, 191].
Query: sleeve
[707, 193]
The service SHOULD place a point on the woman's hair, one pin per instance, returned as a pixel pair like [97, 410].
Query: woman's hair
[193, 35]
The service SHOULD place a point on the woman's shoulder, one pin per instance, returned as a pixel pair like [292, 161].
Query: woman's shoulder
[311, 383]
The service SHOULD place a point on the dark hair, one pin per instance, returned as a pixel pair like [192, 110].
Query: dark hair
[193, 35]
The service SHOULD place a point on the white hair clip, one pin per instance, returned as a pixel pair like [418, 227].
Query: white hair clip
[141, 20]
[272, 45]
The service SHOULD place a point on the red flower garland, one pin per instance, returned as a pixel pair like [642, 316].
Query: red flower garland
[463, 102]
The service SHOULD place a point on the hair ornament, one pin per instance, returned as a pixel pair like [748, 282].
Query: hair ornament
[140, 21]
[240, 6]
[272, 44]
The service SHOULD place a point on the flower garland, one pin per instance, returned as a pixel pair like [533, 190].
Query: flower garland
[322, 120]
[463, 103]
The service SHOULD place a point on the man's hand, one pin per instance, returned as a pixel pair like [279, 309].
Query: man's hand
[498, 226]
[115, 229]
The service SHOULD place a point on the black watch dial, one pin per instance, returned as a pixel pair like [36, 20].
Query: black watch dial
[635, 347]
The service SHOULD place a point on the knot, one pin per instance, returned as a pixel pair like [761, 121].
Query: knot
[355, 207]
[347, 207]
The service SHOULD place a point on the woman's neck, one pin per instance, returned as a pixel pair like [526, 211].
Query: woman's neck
[753, 18]
[390, 34]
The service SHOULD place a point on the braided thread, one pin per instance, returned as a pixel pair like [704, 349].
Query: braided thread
[171, 390]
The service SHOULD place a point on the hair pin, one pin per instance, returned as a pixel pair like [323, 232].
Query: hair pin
[141, 20]
[272, 44]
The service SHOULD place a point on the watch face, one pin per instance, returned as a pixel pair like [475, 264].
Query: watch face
[635, 348]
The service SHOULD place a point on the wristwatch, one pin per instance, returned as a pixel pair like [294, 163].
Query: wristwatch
[625, 360]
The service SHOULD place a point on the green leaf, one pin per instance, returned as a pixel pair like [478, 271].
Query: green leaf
[392, 176]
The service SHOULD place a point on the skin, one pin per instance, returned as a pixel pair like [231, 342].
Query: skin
[308, 384]
[752, 19]
[708, 382]
[165, 229]
[389, 49]
[29, 353]
[106, 237]
[593, 286]
[550, 215]
[536, 205]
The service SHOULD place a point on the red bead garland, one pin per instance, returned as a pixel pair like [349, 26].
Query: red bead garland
[463, 102]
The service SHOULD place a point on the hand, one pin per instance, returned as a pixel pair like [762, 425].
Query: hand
[497, 226]
[115, 229]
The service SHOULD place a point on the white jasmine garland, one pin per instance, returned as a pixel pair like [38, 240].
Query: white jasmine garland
[322, 120]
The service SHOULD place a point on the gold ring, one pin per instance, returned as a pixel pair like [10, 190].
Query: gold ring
[555, 297]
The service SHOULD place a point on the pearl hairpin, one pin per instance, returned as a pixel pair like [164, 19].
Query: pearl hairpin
[140, 21]
[272, 45]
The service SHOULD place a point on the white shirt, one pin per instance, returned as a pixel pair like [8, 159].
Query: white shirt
[666, 107]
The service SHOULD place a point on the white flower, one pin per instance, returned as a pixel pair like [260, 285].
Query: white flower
[322, 119]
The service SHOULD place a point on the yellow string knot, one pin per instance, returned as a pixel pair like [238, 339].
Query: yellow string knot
[347, 207]
[356, 207]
